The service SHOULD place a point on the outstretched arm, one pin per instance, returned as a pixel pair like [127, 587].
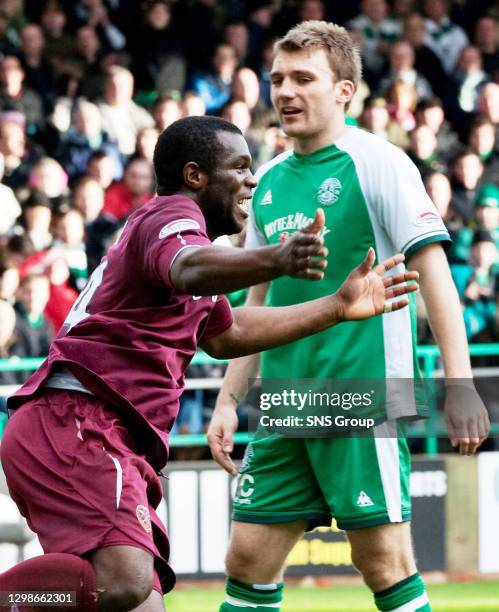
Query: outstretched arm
[363, 294]
[209, 270]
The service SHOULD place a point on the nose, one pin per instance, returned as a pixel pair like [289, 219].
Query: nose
[250, 180]
[285, 89]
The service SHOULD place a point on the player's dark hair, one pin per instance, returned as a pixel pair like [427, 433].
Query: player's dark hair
[191, 139]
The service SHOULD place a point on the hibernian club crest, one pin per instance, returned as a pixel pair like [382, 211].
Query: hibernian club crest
[329, 192]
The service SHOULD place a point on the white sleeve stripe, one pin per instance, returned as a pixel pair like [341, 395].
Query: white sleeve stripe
[422, 237]
[188, 246]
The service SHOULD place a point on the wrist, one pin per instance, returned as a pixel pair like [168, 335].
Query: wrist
[337, 307]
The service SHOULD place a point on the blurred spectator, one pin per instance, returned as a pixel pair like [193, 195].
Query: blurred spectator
[423, 150]
[214, 87]
[238, 113]
[487, 42]
[13, 13]
[7, 46]
[445, 37]
[263, 71]
[426, 60]
[157, 50]
[482, 139]
[16, 97]
[376, 31]
[402, 100]
[86, 63]
[477, 282]
[69, 239]
[9, 206]
[236, 34]
[431, 113]
[246, 88]
[84, 137]
[274, 143]
[95, 14]
[37, 219]
[376, 119]
[465, 84]
[438, 188]
[33, 332]
[132, 192]
[146, 143]
[58, 43]
[7, 339]
[48, 178]
[38, 71]
[401, 58]
[99, 228]
[487, 211]
[121, 117]
[192, 105]
[488, 102]
[166, 110]
[19, 155]
[101, 167]
[9, 278]
[467, 171]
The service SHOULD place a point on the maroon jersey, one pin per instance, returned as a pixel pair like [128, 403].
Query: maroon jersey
[130, 335]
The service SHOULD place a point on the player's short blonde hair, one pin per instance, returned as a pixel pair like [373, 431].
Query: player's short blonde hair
[342, 53]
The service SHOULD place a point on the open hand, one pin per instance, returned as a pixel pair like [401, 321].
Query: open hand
[366, 290]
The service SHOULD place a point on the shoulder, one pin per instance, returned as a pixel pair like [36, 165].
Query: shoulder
[273, 163]
[364, 147]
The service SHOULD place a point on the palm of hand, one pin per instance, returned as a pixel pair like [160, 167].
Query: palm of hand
[363, 295]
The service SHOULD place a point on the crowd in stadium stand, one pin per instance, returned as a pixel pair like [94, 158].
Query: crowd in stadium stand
[86, 86]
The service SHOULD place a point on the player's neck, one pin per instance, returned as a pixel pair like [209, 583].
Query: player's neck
[308, 145]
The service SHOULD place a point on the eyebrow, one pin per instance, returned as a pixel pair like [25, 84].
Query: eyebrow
[298, 72]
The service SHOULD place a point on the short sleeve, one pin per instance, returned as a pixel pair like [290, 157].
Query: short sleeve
[394, 192]
[406, 211]
[163, 240]
[219, 320]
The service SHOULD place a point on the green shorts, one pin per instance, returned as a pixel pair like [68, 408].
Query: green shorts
[361, 482]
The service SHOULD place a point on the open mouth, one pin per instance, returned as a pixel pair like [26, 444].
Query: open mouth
[290, 111]
[243, 205]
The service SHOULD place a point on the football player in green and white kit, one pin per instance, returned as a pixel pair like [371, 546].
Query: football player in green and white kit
[372, 195]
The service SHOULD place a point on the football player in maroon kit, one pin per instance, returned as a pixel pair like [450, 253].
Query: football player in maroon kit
[89, 430]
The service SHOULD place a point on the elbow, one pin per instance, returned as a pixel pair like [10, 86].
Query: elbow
[189, 279]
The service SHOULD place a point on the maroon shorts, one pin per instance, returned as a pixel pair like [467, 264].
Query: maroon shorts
[73, 470]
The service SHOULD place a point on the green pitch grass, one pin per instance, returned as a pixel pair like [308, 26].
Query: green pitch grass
[451, 597]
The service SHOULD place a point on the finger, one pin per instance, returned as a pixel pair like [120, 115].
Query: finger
[316, 250]
[464, 446]
[388, 264]
[222, 458]
[400, 304]
[474, 438]
[301, 239]
[317, 224]
[309, 274]
[400, 278]
[400, 290]
[368, 262]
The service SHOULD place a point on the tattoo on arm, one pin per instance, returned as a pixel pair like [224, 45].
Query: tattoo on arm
[235, 399]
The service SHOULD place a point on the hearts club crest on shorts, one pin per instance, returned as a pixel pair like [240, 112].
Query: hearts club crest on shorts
[144, 518]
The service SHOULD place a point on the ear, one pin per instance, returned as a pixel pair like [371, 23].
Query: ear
[194, 177]
[344, 91]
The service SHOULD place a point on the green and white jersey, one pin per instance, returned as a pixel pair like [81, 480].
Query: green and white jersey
[372, 195]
